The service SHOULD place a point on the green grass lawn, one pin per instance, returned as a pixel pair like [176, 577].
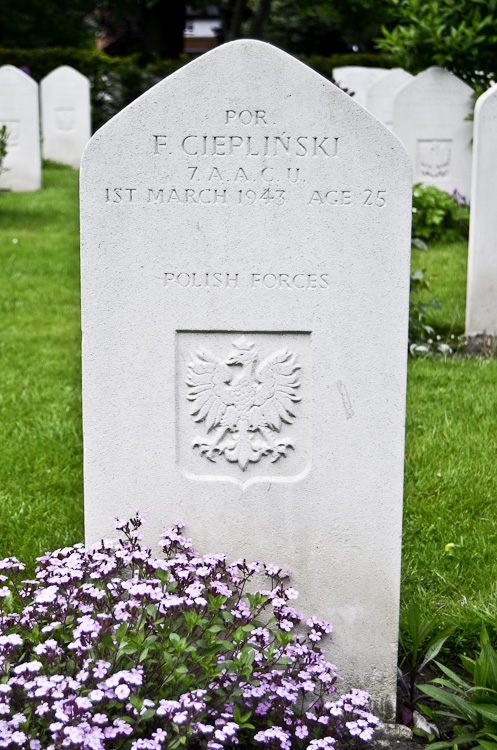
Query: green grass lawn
[41, 492]
[445, 267]
[451, 444]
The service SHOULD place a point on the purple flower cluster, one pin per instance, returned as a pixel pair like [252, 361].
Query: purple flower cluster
[112, 648]
[459, 198]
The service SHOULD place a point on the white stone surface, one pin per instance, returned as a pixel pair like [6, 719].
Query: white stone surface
[481, 299]
[19, 112]
[430, 119]
[65, 115]
[246, 197]
[358, 79]
[381, 94]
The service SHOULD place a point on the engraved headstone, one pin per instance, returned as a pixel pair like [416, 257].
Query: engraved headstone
[245, 273]
[19, 112]
[481, 299]
[358, 79]
[65, 115]
[430, 118]
[381, 94]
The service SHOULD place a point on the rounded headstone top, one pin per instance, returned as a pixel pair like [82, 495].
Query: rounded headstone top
[10, 71]
[256, 71]
[65, 71]
[434, 78]
[490, 93]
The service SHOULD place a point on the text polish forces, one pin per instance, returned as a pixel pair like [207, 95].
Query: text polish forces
[220, 280]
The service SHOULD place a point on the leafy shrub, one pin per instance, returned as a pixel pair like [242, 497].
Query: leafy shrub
[4, 137]
[436, 215]
[458, 36]
[113, 648]
[472, 706]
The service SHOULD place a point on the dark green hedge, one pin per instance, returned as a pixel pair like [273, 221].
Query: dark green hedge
[116, 81]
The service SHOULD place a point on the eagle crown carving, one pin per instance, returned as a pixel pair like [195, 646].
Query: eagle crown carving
[244, 410]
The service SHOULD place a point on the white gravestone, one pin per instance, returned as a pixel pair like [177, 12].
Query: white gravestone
[381, 94]
[430, 119]
[65, 115]
[19, 112]
[357, 79]
[481, 299]
[245, 272]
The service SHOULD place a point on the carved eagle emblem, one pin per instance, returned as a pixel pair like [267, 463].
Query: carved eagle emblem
[243, 403]
[434, 159]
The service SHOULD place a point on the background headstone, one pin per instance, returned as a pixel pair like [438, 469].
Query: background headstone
[65, 115]
[430, 119]
[381, 94]
[245, 210]
[358, 79]
[19, 111]
[481, 300]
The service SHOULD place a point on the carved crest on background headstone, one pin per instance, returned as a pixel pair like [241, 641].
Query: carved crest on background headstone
[65, 118]
[434, 158]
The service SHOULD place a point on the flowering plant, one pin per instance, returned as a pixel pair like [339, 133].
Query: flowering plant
[113, 648]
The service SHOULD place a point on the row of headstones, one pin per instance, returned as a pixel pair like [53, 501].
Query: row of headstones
[63, 98]
[428, 113]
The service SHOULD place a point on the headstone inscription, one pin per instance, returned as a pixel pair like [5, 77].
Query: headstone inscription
[357, 79]
[481, 299]
[245, 271]
[381, 94]
[430, 118]
[65, 115]
[20, 114]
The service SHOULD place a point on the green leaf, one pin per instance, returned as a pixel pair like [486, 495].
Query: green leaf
[136, 701]
[453, 676]
[440, 745]
[462, 708]
[419, 244]
[107, 641]
[487, 710]
[487, 745]
[129, 648]
[450, 685]
[435, 645]
[121, 631]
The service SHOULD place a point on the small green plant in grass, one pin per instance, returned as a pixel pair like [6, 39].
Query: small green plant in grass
[420, 641]
[436, 215]
[422, 336]
[471, 707]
